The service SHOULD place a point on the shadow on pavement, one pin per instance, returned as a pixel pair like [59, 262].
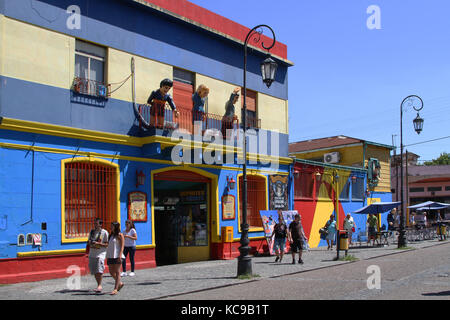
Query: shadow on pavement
[437, 294]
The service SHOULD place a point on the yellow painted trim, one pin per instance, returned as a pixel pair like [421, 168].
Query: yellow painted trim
[266, 179]
[213, 199]
[120, 157]
[49, 253]
[63, 215]
[68, 132]
[98, 136]
[68, 251]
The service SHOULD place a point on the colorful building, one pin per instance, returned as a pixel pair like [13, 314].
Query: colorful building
[420, 182]
[336, 176]
[78, 139]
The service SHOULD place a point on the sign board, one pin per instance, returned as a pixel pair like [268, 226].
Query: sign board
[270, 219]
[228, 207]
[278, 192]
[37, 239]
[137, 206]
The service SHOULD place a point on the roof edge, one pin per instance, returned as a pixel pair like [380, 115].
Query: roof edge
[209, 29]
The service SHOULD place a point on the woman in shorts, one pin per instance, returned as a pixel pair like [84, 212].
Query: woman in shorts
[114, 255]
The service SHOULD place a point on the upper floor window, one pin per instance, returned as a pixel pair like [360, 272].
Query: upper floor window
[358, 189]
[252, 112]
[89, 68]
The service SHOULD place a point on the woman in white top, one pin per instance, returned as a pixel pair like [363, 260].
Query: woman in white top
[130, 236]
[114, 255]
[349, 226]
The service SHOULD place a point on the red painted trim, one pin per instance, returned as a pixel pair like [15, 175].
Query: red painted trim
[28, 269]
[228, 251]
[215, 21]
[53, 267]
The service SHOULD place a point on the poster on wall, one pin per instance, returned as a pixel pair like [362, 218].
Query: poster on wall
[228, 207]
[137, 206]
[278, 193]
[270, 219]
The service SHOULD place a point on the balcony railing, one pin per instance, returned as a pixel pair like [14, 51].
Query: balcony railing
[166, 119]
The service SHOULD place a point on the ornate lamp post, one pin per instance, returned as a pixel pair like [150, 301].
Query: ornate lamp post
[268, 69]
[417, 103]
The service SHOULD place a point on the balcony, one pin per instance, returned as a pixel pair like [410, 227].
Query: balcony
[165, 119]
[90, 88]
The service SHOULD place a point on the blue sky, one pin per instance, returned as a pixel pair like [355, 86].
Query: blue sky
[350, 80]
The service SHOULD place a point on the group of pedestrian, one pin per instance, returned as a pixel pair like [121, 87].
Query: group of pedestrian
[328, 232]
[294, 234]
[114, 248]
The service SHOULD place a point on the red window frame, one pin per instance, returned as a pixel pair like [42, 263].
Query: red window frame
[90, 191]
[256, 199]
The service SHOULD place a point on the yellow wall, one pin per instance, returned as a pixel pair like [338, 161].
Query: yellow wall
[273, 113]
[37, 55]
[353, 156]
[219, 94]
[148, 75]
[350, 156]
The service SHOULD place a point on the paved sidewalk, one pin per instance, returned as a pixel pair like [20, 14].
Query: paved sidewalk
[172, 280]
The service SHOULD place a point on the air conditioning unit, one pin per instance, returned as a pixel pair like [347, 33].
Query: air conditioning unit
[332, 157]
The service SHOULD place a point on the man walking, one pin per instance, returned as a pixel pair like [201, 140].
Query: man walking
[296, 237]
[98, 242]
[279, 231]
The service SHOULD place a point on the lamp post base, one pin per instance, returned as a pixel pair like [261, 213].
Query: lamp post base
[402, 239]
[244, 259]
[244, 266]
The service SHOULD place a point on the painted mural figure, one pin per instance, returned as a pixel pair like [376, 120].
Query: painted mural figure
[230, 116]
[157, 100]
[199, 99]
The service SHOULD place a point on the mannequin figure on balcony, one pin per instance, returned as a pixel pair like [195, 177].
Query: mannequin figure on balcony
[157, 100]
[199, 99]
[230, 116]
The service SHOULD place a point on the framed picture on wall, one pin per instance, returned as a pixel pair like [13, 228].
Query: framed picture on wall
[228, 207]
[137, 206]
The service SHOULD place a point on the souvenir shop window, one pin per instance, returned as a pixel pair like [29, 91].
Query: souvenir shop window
[192, 224]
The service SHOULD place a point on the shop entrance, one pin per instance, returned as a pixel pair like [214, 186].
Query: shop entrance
[181, 218]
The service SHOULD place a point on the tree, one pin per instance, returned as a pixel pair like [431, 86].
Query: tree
[443, 159]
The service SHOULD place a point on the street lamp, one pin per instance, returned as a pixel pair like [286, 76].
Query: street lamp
[417, 103]
[268, 69]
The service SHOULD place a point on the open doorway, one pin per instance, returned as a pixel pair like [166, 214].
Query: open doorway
[181, 221]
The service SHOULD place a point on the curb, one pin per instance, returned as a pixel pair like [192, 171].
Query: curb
[296, 272]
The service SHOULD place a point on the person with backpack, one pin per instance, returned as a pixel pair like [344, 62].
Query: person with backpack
[280, 233]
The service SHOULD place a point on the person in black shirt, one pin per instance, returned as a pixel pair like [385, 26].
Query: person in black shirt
[296, 236]
[280, 232]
